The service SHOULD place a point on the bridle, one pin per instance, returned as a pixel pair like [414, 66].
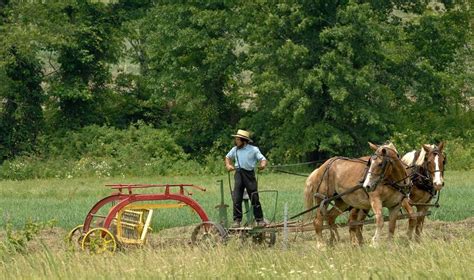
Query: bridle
[435, 152]
[424, 177]
[386, 160]
[425, 181]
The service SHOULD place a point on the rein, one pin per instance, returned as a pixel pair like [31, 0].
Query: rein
[422, 179]
[404, 189]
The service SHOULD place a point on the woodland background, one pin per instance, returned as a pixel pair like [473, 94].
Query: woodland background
[128, 87]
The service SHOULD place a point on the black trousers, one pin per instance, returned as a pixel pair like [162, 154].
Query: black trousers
[246, 180]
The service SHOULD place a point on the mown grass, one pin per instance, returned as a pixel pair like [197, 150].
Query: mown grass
[432, 259]
[69, 200]
[446, 251]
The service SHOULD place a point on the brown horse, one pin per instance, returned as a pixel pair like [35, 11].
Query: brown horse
[385, 184]
[427, 172]
[317, 189]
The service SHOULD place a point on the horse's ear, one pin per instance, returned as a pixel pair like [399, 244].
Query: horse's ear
[441, 146]
[373, 146]
[426, 148]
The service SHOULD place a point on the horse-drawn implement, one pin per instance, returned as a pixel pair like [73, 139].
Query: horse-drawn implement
[129, 213]
[129, 209]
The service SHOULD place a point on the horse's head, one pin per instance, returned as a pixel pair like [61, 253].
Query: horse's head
[384, 163]
[434, 163]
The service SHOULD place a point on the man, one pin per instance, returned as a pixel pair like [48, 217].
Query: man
[245, 157]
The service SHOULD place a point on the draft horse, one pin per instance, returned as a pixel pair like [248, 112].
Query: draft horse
[348, 183]
[426, 169]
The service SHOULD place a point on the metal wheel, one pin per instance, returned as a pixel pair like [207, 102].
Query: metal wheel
[74, 237]
[267, 238]
[208, 234]
[99, 240]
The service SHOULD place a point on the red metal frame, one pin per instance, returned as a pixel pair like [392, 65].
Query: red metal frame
[130, 197]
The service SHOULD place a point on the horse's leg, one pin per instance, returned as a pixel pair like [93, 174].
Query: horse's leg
[353, 227]
[318, 228]
[422, 210]
[377, 208]
[360, 218]
[392, 220]
[331, 218]
[412, 219]
[339, 208]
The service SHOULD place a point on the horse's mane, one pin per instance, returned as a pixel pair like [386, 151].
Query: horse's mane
[409, 158]
[390, 146]
[421, 157]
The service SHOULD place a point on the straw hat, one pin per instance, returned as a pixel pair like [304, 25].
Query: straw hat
[243, 134]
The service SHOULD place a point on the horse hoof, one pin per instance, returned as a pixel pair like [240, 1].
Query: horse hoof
[375, 243]
[321, 246]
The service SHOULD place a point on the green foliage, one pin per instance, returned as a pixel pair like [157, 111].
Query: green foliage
[310, 79]
[80, 84]
[17, 239]
[105, 152]
[460, 153]
[21, 116]
[192, 62]
[330, 76]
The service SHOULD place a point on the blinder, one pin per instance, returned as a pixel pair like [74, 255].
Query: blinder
[386, 160]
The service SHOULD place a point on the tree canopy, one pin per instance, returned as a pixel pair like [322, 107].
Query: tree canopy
[310, 79]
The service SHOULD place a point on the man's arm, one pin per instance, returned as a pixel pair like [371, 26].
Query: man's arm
[229, 165]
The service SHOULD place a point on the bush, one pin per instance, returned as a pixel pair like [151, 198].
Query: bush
[103, 151]
[460, 154]
[459, 151]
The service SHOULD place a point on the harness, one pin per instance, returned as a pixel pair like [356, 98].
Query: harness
[329, 165]
[422, 179]
[386, 160]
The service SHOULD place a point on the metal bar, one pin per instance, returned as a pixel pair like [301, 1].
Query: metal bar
[149, 197]
[295, 227]
[276, 200]
[144, 186]
[146, 226]
[98, 206]
[285, 226]
[155, 206]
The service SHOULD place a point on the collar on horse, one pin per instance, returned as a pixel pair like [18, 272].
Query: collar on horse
[403, 188]
[421, 176]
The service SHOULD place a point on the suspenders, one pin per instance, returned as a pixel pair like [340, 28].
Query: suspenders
[237, 157]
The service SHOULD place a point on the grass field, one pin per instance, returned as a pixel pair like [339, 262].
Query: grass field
[68, 201]
[446, 251]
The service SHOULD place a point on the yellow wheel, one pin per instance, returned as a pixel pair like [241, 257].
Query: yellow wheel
[99, 240]
[74, 237]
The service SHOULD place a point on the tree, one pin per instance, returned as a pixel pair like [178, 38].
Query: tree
[329, 75]
[21, 118]
[80, 86]
[192, 66]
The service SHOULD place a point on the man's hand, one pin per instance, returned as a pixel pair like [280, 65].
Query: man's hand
[228, 165]
[262, 165]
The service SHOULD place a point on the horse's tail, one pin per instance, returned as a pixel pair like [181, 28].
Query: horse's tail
[310, 188]
[313, 185]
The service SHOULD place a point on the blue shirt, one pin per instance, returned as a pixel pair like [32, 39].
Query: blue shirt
[247, 157]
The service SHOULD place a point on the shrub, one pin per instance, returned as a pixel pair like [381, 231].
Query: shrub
[102, 151]
[458, 150]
